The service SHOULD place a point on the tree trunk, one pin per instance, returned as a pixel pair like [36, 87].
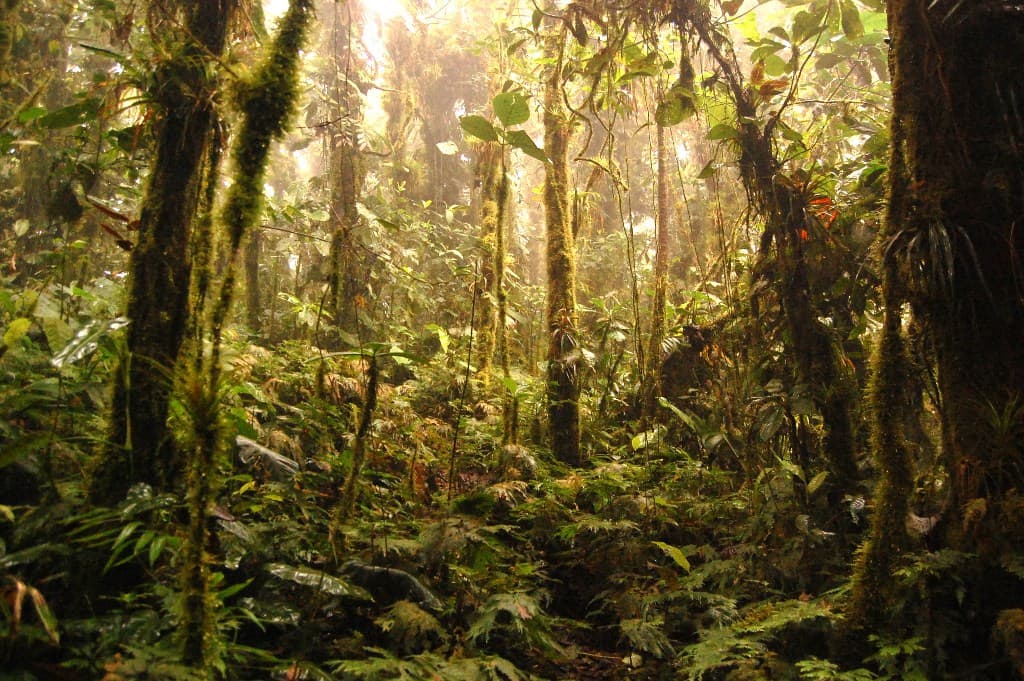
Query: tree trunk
[782, 264]
[957, 101]
[652, 381]
[563, 354]
[252, 283]
[139, 447]
[953, 249]
[266, 110]
[490, 173]
[348, 282]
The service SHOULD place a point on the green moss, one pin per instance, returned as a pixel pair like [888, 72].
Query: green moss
[874, 589]
[562, 375]
[159, 301]
[489, 171]
[266, 104]
[266, 107]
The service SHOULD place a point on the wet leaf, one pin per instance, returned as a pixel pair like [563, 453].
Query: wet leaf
[448, 148]
[522, 141]
[317, 580]
[852, 25]
[511, 108]
[87, 340]
[675, 553]
[479, 127]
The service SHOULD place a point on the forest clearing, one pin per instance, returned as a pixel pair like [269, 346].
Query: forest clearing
[550, 339]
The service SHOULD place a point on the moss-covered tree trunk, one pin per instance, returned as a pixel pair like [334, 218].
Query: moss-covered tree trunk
[267, 102]
[489, 171]
[183, 87]
[813, 352]
[510, 400]
[400, 107]
[959, 104]
[563, 355]
[342, 128]
[652, 381]
[252, 283]
[954, 249]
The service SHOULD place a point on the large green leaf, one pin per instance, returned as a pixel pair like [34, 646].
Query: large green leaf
[79, 112]
[852, 25]
[723, 131]
[676, 107]
[318, 580]
[806, 24]
[511, 108]
[520, 140]
[675, 553]
[709, 170]
[479, 127]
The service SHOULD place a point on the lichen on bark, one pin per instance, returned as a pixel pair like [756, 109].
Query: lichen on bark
[563, 356]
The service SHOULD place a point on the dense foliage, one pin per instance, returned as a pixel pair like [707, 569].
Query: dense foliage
[574, 340]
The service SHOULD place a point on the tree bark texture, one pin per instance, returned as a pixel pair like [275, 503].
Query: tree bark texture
[957, 96]
[952, 248]
[139, 447]
[348, 277]
[652, 380]
[563, 354]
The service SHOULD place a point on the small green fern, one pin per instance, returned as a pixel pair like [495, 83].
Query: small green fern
[410, 628]
[518, 613]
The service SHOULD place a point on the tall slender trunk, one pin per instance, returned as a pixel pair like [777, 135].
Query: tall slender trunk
[489, 168]
[563, 356]
[510, 399]
[347, 282]
[252, 283]
[652, 382]
[266, 110]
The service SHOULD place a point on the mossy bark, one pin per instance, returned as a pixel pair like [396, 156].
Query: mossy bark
[875, 592]
[563, 355]
[814, 354]
[347, 503]
[652, 373]
[489, 170]
[348, 279]
[510, 401]
[139, 448]
[953, 248]
[400, 107]
[252, 283]
[266, 104]
[960, 241]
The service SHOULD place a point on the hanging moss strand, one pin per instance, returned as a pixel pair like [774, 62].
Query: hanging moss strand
[266, 106]
[267, 103]
[348, 494]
